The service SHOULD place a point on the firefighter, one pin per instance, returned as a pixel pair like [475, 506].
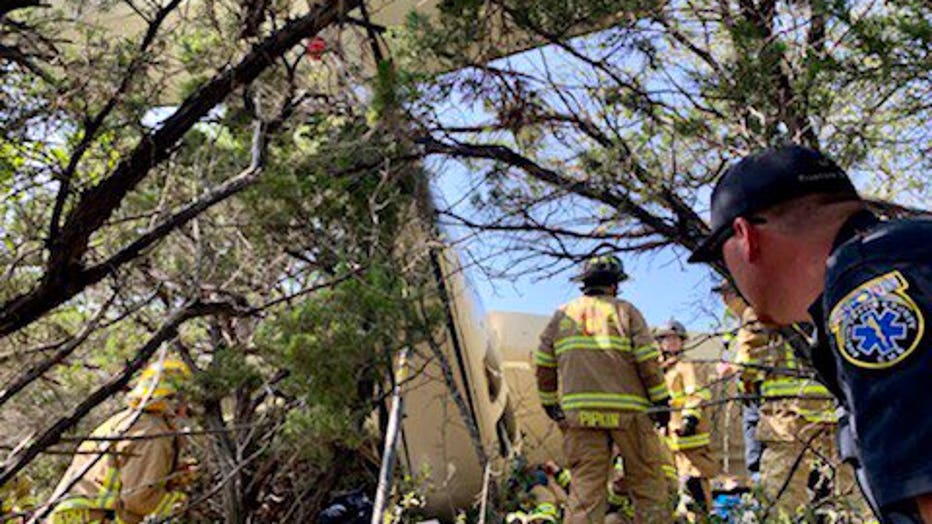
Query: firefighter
[799, 420]
[750, 405]
[126, 481]
[802, 246]
[600, 353]
[688, 435]
[797, 415]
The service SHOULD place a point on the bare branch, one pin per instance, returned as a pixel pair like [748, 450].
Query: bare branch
[7, 6]
[504, 154]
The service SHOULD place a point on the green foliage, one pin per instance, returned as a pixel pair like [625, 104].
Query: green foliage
[329, 192]
[567, 18]
[315, 429]
[332, 200]
[198, 46]
[229, 371]
[336, 346]
[384, 91]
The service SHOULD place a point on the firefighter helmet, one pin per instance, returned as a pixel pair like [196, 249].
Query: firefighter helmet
[602, 267]
[672, 327]
[158, 384]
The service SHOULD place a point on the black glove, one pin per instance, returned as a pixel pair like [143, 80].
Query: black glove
[555, 413]
[660, 418]
[690, 423]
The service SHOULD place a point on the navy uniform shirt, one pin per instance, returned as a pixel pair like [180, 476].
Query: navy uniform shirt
[876, 349]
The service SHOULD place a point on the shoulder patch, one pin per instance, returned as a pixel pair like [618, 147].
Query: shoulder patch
[877, 325]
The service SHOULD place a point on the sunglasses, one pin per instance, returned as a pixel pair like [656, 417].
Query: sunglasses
[726, 233]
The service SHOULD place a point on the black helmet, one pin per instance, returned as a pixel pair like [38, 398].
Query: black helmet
[602, 269]
[672, 327]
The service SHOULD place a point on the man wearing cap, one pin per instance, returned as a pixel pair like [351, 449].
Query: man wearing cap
[597, 376]
[802, 247]
[688, 433]
[125, 481]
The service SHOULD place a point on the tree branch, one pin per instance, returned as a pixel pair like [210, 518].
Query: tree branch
[16, 55]
[63, 276]
[93, 125]
[504, 154]
[39, 369]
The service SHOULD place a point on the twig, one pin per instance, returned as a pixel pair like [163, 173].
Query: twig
[184, 433]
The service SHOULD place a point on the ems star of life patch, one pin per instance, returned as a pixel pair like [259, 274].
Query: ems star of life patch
[877, 324]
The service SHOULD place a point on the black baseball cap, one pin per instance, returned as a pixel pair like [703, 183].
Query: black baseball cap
[764, 179]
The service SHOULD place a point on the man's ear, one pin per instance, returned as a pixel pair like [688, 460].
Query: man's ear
[748, 237]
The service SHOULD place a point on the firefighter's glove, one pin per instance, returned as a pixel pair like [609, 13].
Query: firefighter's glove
[661, 417]
[555, 413]
[690, 423]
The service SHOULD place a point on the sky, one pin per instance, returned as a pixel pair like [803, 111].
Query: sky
[661, 286]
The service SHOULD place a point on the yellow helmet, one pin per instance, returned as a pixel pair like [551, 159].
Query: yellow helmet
[157, 384]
